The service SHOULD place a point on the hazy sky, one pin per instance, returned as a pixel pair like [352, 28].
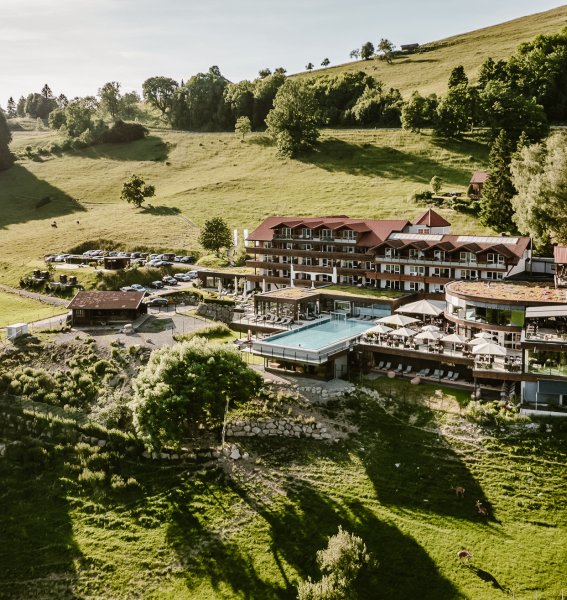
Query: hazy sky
[78, 45]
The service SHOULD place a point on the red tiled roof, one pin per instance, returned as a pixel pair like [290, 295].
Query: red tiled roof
[431, 219]
[479, 177]
[107, 300]
[560, 255]
[371, 231]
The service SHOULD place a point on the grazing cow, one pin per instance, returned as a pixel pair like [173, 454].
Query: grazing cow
[464, 556]
[482, 510]
[54, 224]
[459, 490]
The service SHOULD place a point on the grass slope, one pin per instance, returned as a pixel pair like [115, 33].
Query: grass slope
[252, 531]
[18, 309]
[428, 71]
[361, 173]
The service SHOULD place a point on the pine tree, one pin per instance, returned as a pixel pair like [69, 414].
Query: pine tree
[21, 107]
[46, 91]
[11, 108]
[496, 209]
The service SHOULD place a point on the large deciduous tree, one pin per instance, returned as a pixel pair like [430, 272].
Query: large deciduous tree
[539, 174]
[419, 112]
[6, 158]
[135, 191]
[496, 209]
[110, 98]
[294, 120]
[215, 235]
[452, 117]
[367, 51]
[386, 49]
[159, 92]
[185, 389]
[242, 126]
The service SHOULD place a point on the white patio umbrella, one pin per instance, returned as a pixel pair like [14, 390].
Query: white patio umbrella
[489, 349]
[430, 336]
[431, 328]
[454, 338]
[397, 320]
[478, 341]
[380, 329]
[485, 335]
[404, 332]
[421, 307]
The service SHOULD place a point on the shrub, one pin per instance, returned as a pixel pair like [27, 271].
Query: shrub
[122, 132]
[422, 197]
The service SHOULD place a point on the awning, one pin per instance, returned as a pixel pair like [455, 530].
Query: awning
[538, 312]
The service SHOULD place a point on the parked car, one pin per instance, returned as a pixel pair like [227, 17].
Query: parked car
[189, 260]
[127, 288]
[136, 287]
[157, 301]
[158, 285]
[169, 280]
[181, 276]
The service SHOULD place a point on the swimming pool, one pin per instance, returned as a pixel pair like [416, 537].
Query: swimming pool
[319, 336]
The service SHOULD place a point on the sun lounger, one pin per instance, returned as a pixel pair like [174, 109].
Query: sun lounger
[455, 377]
[435, 374]
[400, 368]
[381, 364]
[440, 375]
[408, 370]
[388, 365]
[449, 375]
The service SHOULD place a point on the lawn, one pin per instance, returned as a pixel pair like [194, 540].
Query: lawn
[361, 173]
[252, 529]
[18, 309]
[345, 290]
[428, 70]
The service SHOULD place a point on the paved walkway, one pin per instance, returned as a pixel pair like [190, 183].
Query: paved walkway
[41, 297]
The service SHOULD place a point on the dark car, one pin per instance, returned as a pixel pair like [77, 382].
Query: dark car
[169, 280]
[157, 284]
[158, 301]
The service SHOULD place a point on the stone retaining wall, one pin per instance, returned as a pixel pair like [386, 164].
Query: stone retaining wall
[218, 312]
[280, 427]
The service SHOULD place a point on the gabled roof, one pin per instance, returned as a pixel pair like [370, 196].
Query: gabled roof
[370, 231]
[560, 255]
[431, 219]
[479, 177]
[107, 300]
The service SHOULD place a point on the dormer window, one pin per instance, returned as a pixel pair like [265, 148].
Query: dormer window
[286, 232]
[326, 234]
[349, 234]
[306, 233]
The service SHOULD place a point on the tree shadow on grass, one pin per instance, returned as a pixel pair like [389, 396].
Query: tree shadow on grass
[37, 547]
[151, 148]
[476, 148]
[160, 211]
[204, 553]
[26, 198]
[487, 577]
[371, 160]
[261, 140]
[302, 524]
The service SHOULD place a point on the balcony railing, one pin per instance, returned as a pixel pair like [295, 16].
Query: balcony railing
[443, 262]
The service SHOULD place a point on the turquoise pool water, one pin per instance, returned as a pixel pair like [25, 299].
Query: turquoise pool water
[320, 335]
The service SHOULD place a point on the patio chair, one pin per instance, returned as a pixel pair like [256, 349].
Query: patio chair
[400, 368]
[408, 370]
[449, 375]
[380, 365]
[435, 374]
[455, 376]
[388, 365]
[441, 373]
[286, 321]
[426, 372]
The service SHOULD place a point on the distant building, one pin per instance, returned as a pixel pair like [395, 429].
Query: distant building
[102, 308]
[560, 262]
[476, 184]
[409, 47]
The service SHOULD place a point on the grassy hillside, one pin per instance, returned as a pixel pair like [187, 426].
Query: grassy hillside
[428, 70]
[361, 173]
[251, 529]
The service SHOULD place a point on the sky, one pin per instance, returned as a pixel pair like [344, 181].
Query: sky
[78, 45]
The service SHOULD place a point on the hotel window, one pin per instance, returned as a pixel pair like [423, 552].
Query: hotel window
[469, 274]
[469, 257]
[328, 248]
[494, 275]
[423, 230]
[306, 233]
[307, 246]
[326, 234]
[414, 286]
[327, 278]
[267, 244]
[494, 259]
[440, 272]
[285, 232]
[369, 266]
[417, 271]
[439, 254]
[391, 269]
[393, 285]
[79, 312]
[412, 253]
[307, 261]
[289, 246]
[286, 273]
[350, 249]
[348, 234]
[390, 253]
